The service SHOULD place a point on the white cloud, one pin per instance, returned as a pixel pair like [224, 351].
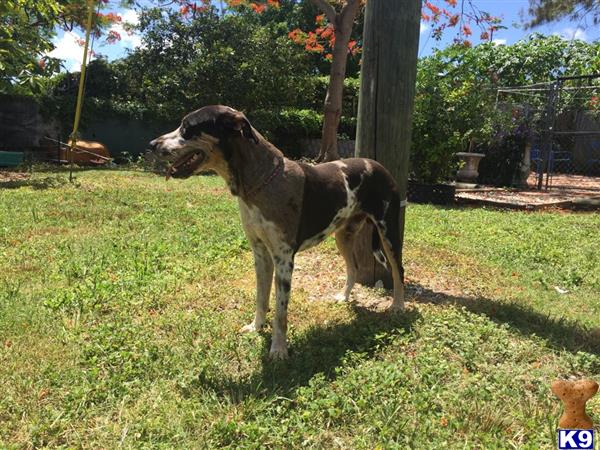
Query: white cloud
[570, 33]
[130, 16]
[68, 49]
[424, 27]
[128, 39]
[499, 41]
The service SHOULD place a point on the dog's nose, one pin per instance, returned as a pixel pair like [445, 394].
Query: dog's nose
[156, 148]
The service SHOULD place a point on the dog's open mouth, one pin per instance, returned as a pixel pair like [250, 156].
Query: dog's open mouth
[185, 165]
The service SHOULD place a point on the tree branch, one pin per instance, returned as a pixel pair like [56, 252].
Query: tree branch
[328, 9]
[350, 8]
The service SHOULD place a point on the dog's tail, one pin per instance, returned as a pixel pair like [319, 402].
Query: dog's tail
[377, 250]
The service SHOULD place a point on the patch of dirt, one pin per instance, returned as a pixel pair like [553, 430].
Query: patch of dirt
[13, 176]
[321, 274]
[563, 188]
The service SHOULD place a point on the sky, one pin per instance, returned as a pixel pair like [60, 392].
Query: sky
[510, 11]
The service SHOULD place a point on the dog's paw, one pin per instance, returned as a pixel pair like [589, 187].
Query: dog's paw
[250, 328]
[278, 352]
[340, 297]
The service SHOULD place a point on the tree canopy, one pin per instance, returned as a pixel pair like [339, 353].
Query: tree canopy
[544, 11]
[26, 31]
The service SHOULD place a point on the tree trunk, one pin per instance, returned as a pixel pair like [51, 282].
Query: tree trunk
[342, 26]
[385, 106]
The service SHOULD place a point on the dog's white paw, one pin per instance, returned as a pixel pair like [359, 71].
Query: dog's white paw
[250, 328]
[278, 352]
[341, 297]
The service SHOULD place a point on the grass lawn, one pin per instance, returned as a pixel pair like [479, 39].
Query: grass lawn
[121, 299]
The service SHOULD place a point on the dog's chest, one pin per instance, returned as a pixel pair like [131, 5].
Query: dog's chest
[258, 227]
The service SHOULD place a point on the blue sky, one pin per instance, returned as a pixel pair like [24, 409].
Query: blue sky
[510, 11]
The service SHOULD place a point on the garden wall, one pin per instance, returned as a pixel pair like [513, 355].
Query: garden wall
[122, 135]
[22, 126]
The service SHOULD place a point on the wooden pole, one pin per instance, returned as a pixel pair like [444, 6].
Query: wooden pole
[385, 105]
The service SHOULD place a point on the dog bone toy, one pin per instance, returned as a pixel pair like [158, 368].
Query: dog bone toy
[574, 395]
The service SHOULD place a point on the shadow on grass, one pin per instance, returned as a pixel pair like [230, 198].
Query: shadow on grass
[559, 333]
[319, 349]
[35, 183]
[322, 349]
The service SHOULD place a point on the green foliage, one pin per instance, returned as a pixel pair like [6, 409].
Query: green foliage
[26, 30]
[287, 126]
[349, 101]
[544, 11]
[230, 59]
[456, 94]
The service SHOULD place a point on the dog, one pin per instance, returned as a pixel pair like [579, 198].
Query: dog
[287, 206]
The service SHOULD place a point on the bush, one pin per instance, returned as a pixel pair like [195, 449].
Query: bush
[456, 97]
[287, 127]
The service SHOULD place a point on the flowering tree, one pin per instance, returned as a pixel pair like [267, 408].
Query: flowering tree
[27, 28]
[464, 18]
[331, 38]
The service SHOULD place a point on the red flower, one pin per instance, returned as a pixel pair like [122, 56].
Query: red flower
[327, 32]
[113, 37]
[484, 36]
[258, 8]
[297, 35]
[467, 30]
[434, 9]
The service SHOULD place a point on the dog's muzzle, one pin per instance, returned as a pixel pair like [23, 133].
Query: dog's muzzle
[186, 165]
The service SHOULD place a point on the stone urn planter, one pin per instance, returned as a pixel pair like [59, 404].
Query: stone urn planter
[468, 173]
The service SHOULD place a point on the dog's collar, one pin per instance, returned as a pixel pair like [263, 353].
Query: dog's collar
[267, 180]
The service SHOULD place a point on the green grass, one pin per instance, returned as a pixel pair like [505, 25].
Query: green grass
[121, 299]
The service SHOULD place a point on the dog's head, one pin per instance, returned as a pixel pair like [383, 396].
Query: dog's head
[200, 142]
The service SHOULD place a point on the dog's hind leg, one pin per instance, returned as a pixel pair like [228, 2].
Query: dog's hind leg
[389, 232]
[344, 239]
[284, 266]
[263, 266]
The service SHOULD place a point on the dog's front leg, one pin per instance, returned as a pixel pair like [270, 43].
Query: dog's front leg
[284, 266]
[263, 265]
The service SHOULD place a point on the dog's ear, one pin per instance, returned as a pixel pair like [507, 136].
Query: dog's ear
[237, 121]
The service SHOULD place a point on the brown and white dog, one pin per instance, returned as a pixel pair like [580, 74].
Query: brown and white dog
[287, 206]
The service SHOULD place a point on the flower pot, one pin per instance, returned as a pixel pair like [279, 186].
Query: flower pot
[469, 171]
[438, 194]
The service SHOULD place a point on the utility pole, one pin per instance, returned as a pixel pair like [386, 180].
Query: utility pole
[385, 105]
